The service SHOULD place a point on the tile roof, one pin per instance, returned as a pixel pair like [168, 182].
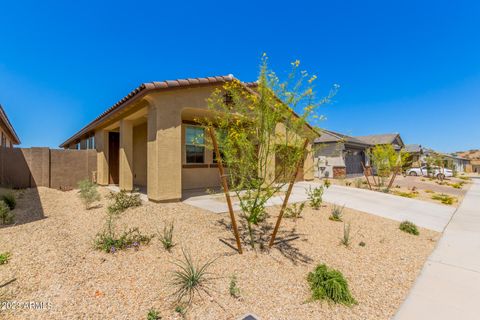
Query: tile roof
[9, 127]
[141, 91]
[375, 139]
[331, 136]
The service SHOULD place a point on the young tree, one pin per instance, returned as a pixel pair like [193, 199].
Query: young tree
[262, 141]
[386, 161]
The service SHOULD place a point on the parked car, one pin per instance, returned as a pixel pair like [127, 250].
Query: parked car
[434, 172]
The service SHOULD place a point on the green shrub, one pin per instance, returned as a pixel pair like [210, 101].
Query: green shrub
[409, 227]
[233, 288]
[123, 200]
[294, 211]
[6, 215]
[337, 213]
[358, 182]
[444, 198]
[315, 196]
[88, 192]
[329, 284]
[458, 185]
[327, 183]
[4, 257]
[190, 278]
[406, 194]
[166, 238]
[109, 241]
[346, 235]
[9, 199]
[153, 315]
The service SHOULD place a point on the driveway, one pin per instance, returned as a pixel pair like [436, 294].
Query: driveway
[449, 285]
[425, 214]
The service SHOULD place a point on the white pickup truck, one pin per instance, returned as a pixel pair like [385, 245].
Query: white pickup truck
[434, 171]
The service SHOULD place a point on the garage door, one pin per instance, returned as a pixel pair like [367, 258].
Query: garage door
[353, 162]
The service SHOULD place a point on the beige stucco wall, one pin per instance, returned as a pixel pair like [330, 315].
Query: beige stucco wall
[140, 155]
[3, 133]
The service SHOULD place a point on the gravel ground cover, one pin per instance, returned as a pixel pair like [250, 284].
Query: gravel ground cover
[53, 261]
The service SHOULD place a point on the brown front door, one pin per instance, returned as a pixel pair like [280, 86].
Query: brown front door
[113, 156]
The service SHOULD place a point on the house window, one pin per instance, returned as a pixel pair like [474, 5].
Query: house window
[194, 144]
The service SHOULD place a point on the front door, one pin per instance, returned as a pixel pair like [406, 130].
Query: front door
[113, 157]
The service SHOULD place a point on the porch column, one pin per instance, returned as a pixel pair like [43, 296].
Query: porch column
[101, 144]
[308, 164]
[126, 155]
[164, 147]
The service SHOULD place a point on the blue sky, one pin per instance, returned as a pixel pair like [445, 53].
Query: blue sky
[403, 66]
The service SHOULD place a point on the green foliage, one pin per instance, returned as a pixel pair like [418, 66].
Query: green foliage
[329, 284]
[358, 182]
[385, 159]
[261, 130]
[409, 227]
[88, 192]
[9, 199]
[337, 213]
[406, 194]
[153, 315]
[4, 257]
[315, 196]
[294, 211]
[444, 198]
[327, 183]
[346, 235]
[465, 178]
[457, 185]
[190, 278]
[181, 309]
[233, 288]
[123, 200]
[166, 238]
[6, 215]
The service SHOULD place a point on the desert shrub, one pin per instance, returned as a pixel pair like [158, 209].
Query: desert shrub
[465, 178]
[429, 191]
[409, 227]
[346, 235]
[233, 287]
[444, 198]
[166, 238]
[315, 196]
[88, 192]
[327, 183]
[348, 183]
[458, 185]
[4, 257]
[9, 199]
[111, 242]
[294, 211]
[362, 244]
[153, 315]
[358, 183]
[191, 278]
[406, 194]
[337, 213]
[329, 284]
[6, 215]
[255, 208]
[181, 310]
[123, 200]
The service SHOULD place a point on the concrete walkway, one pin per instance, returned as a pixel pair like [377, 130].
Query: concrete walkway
[425, 214]
[449, 285]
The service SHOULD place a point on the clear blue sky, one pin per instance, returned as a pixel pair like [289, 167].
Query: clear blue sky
[404, 66]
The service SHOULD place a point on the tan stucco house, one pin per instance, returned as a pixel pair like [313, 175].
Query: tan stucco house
[8, 136]
[146, 139]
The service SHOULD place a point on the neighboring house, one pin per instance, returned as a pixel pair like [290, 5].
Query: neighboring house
[475, 165]
[383, 139]
[8, 135]
[338, 155]
[146, 139]
[419, 154]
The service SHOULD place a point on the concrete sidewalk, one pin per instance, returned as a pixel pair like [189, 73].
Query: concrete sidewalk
[449, 284]
[425, 214]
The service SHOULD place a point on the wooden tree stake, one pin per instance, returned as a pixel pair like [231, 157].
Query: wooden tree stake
[223, 178]
[366, 176]
[287, 196]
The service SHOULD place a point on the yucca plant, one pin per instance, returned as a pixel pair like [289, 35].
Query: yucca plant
[191, 278]
[346, 235]
[337, 213]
